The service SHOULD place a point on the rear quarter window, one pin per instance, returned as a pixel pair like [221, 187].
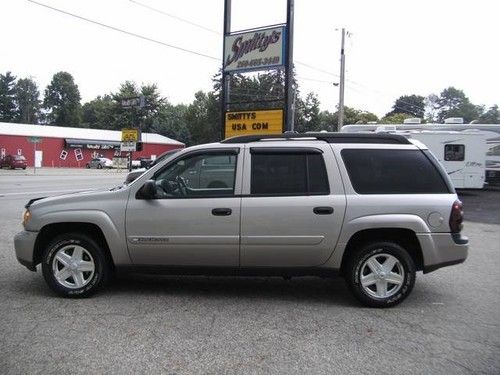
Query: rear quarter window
[376, 171]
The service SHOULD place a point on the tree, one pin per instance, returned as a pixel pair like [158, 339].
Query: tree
[27, 99]
[7, 97]
[452, 102]
[203, 118]
[62, 101]
[396, 118]
[136, 117]
[354, 116]
[99, 113]
[492, 116]
[413, 105]
[170, 122]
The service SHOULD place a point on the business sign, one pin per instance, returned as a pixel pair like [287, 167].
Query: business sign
[253, 122]
[128, 146]
[254, 50]
[91, 145]
[130, 135]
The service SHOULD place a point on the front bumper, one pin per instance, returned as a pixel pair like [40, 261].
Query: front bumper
[442, 249]
[24, 243]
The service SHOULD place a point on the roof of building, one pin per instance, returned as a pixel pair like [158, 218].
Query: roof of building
[27, 130]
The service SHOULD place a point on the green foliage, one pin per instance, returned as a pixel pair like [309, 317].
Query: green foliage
[27, 99]
[452, 102]
[171, 122]
[203, 118]
[7, 97]
[62, 101]
[142, 118]
[492, 116]
[413, 105]
[395, 118]
[99, 113]
[200, 121]
[307, 114]
[355, 116]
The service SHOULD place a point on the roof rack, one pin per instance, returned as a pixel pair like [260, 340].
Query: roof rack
[326, 137]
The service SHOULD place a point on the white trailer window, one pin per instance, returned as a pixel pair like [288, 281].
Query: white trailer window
[454, 152]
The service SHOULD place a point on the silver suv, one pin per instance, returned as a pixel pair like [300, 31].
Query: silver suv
[373, 208]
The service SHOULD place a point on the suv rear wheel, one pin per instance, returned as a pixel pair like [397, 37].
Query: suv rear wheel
[74, 265]
[381, 274]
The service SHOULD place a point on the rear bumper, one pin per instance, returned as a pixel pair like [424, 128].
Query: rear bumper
[24, 243]
[442, 250]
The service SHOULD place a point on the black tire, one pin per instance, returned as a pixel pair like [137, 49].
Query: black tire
[101, 271]
[355, 266]
[87, 166]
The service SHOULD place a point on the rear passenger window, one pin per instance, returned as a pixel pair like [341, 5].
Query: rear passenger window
[392, 172]
[281, 173]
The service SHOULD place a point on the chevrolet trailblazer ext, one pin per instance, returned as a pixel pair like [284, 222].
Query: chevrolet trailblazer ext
[374, 208]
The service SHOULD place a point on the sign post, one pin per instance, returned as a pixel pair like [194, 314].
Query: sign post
[129, 140]
[34, 140]
[263, 48]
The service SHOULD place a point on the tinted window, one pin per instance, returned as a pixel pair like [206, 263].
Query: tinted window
[197, 176]
[392, 172]
[288, 174]
[454, 152]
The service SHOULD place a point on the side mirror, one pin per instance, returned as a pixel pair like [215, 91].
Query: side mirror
[148, 190]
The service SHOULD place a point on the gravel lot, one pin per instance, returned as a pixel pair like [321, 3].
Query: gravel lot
[212, 325]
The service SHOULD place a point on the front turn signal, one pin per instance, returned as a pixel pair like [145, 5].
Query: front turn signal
[26, 217]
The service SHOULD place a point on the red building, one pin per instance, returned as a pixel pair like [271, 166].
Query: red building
[57, 146]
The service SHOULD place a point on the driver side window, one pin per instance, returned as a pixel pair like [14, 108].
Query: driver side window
[201, 175]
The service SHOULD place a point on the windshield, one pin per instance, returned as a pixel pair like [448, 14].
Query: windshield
[20, 157]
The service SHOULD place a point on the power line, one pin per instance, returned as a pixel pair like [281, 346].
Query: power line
[317, 80]
[188, 50]
[125, 31]
[175, 17]
[217, 32]
[318, 69]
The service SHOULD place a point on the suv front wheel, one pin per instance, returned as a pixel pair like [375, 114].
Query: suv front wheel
[381, 274]
[74, 265]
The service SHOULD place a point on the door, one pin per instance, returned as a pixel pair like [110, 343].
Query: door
[38, 158]
[194, 220]
[292, 208]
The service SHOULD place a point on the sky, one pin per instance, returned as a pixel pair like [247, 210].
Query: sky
[394, 47]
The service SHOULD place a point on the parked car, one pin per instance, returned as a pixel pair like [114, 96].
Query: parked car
[373, 208]
[142, 162]
[136, 173]
[13, 162]
[100, 163]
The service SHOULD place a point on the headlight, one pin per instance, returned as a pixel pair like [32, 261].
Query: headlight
[26, 217]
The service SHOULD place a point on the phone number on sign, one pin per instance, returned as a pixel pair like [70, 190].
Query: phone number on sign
[259, 62]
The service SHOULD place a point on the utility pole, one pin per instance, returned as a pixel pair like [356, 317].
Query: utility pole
[342, 82]
[225, 79]
[289, 87]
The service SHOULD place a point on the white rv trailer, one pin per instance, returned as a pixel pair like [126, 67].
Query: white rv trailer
[492, 132]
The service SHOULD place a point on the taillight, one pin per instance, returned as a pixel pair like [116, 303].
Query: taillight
[456, 217]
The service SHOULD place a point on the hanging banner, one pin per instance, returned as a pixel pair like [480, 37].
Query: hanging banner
[253, 122]
[254, 50]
